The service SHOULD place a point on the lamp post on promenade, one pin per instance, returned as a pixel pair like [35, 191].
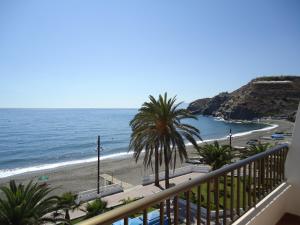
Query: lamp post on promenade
[99, 148]
[230, 139]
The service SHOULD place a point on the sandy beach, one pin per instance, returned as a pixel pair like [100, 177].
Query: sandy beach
[82, 177]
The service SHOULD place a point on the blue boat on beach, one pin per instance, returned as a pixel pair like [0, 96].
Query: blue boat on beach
[277, 136]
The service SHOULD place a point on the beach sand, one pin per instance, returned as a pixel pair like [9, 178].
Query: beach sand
[83, 177]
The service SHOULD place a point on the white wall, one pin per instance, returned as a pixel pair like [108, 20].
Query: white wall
[285, 198]
[292, 168]
[269, 210]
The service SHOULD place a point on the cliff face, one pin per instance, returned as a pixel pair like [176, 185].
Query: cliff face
[263, 96]
[198, 106]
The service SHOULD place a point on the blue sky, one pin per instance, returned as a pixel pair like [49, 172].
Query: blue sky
[113, 54]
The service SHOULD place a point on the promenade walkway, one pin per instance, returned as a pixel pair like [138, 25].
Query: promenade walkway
[139, 191]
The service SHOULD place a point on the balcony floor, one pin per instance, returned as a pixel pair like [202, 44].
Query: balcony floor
[289, 219]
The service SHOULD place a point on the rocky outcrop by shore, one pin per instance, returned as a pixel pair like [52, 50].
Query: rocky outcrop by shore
[276, 96]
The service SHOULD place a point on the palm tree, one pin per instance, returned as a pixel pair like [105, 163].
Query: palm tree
[66, 203]
[95, 208]
[26, 204]
[215, 155]
[255, 149]
[157, 129]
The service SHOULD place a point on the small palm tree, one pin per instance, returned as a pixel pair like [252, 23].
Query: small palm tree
[215, 155]
[158, 129]
[255, 149]
[67, 202]
[95, 208]
[26, 204]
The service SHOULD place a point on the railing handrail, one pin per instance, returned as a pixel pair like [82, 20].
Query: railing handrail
[124, 211]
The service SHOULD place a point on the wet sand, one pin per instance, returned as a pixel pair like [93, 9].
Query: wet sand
[83, 177]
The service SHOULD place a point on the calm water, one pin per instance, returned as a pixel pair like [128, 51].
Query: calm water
[34, 137]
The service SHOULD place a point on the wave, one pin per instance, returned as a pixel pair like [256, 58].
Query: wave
[17, 171]
[219, 118]
[269, 127]
[11, 172]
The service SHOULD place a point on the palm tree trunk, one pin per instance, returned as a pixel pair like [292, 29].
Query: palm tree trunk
[67, 216]
[167, 185]
[156, 167]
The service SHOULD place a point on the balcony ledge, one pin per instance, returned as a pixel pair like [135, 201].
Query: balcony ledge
[270, 209]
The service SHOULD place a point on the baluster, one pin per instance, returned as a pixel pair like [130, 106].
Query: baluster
[225, 199]
[231, 195]
[273, 170]
[208, 203]
[216, 193]
[284, 158]
[161, 213]
[175, 206]
[145, 217]
[244, 187]
[187, 213]
[281, 166]
[259, 179]
[199, 200]
[254, 182]
[249, 185]
[267, 175]
[277, 168]
[238, 191]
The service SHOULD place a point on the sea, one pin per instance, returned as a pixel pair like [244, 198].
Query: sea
[39, 139]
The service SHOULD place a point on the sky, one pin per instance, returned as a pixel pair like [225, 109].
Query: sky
[114, 54]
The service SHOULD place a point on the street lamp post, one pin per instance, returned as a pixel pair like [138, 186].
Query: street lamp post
[98, 177]
[230, 138]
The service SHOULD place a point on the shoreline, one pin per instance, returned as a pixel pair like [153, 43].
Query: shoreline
[81, 177]
[6, 173]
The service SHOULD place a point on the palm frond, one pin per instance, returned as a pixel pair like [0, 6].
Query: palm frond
[26, 204]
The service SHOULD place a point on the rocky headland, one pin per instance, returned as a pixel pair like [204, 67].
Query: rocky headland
[274, 96]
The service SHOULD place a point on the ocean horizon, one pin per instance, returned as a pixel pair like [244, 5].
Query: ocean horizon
[35, 139]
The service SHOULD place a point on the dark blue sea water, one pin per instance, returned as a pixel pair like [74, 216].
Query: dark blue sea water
[33, 139]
